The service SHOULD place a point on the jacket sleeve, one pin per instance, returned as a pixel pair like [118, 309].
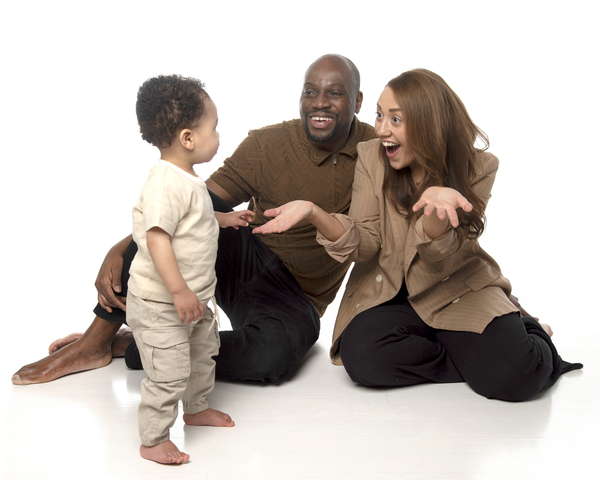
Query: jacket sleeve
[362, 239]
[438, 250]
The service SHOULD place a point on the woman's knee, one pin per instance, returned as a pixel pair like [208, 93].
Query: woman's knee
[356, 355]
[367, 364]
[396, 353]
[366, 373]
[511, 385]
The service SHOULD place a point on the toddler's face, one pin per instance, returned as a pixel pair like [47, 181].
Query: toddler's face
[206, 137]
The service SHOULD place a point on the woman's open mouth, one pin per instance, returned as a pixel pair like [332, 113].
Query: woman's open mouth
[391, 148]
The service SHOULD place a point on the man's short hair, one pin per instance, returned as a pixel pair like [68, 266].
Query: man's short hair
[355, 72]
[349, 63]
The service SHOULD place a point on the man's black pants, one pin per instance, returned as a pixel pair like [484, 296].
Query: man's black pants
[274, 323]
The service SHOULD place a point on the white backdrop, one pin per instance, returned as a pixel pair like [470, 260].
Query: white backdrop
[74, 161]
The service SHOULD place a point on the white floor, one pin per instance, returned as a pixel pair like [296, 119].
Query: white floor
[318, 425]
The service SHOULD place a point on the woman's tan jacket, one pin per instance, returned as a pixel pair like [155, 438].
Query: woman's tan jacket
[451, 286]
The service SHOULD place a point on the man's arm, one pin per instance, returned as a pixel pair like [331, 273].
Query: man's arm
[218, 190]
[108, 281]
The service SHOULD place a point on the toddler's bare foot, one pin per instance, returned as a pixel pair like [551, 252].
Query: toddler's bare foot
[209, 418]
[165, 452]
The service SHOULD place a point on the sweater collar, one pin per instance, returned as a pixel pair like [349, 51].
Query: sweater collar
[319, 156]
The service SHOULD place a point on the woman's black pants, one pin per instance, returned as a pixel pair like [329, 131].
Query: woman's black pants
[389, 345]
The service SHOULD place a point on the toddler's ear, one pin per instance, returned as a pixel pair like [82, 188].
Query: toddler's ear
[186, 139]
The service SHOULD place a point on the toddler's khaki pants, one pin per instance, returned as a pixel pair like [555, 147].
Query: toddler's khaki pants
[178, 361]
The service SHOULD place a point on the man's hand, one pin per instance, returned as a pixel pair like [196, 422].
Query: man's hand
[108, 281]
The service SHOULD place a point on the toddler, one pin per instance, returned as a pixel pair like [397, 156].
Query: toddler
[172, 276]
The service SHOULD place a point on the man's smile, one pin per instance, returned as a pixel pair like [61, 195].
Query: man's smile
[319, 120]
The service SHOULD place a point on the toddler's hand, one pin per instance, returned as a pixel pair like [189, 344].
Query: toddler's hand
[188, 307]
[235, 219]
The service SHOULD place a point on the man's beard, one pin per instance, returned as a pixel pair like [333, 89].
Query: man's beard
[323, 138]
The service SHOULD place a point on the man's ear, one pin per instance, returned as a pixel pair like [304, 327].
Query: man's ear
[186, 140]
[359, 100]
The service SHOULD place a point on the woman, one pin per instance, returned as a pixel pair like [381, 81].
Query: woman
[424, 302]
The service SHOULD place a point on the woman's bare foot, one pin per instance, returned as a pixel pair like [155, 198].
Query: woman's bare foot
[524, 313]
[165, 452]
[118, 346]
[209, 418]
[547, 328]
[91, 350]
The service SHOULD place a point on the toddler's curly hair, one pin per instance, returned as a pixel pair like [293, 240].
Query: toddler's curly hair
[167, 104]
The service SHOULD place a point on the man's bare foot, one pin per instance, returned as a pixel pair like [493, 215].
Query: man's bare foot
[118, 346]
[165, 452]
[91, 350]
[121, 341]
[209, 418]
[56, 345]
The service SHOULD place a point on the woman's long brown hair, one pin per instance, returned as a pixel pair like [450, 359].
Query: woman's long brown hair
[442, 137]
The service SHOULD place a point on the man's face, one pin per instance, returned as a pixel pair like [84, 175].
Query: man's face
[328, 103]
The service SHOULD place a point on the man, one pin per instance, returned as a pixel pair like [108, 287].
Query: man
[273, 289]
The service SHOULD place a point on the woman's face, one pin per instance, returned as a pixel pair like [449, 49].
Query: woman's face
[391, 129]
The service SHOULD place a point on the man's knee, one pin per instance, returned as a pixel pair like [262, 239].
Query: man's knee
[272, 363]
[283, 350]
[262, 363]
[264, 351]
